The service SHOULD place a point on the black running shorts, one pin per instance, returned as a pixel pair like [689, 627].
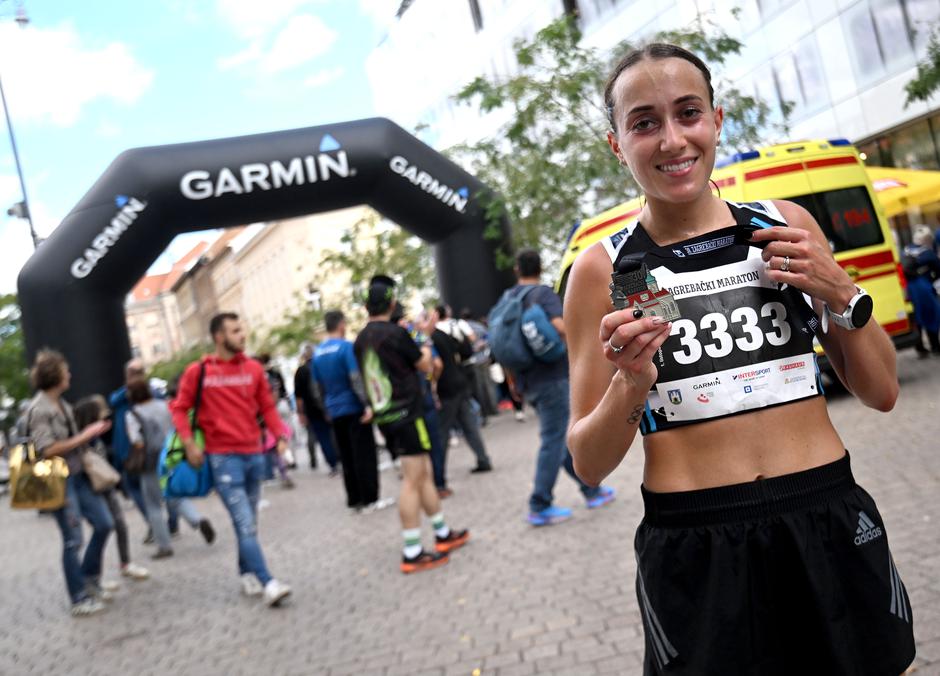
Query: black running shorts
[407, 438]
[783, 576]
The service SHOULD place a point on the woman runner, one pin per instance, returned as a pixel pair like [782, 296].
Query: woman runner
[758, 553]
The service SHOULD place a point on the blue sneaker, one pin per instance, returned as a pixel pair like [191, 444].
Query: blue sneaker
[549, 516]
[605, 497]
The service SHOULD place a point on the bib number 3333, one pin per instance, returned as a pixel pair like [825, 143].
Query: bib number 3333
[745, 328]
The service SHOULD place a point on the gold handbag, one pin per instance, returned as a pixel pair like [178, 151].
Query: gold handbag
[36, 483]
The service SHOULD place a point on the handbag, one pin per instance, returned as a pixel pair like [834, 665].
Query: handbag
[179, 479]
[136, 461]
[101, 475]
[36, 483]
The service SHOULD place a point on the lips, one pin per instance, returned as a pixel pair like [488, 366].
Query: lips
[677, 166]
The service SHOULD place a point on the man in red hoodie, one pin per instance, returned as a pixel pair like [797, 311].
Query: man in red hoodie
[234, 392]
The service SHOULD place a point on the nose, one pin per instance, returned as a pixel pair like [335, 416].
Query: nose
[672, 138]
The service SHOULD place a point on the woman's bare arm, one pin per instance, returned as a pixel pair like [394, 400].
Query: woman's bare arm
[608, 389]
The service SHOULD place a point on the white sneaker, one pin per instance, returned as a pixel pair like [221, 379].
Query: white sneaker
[250, 585]
[520, 416]
[110, 585]
[135, 572]
[86, 607]
[275, 592]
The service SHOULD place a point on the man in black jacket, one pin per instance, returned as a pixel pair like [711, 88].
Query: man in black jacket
[453, 389]
[312, 415]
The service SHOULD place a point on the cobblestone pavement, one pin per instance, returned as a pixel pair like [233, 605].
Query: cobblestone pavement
[515, 601]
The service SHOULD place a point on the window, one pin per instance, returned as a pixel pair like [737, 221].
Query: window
[846, 216]
[881, 35]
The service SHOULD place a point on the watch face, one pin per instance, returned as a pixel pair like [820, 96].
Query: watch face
[861, 313]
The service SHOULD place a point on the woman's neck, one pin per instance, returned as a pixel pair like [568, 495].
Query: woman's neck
[668, 222]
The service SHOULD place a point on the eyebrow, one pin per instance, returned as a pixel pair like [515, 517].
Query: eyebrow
[681, 99]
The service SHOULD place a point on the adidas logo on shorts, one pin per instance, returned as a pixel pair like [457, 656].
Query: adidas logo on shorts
[867, 530]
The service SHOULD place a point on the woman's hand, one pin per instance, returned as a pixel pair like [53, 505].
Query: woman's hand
[94, 430]
[796, 258]
[630, 343]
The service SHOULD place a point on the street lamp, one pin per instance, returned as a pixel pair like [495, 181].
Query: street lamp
[20, 209]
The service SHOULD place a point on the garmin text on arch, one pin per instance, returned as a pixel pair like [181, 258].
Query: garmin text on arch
[128, 210]
[200, 184]
[453, 198]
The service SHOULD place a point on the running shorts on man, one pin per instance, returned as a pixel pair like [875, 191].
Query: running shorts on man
[407, 438]
[783, 576]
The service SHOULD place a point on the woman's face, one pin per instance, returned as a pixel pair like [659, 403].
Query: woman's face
[667, 130]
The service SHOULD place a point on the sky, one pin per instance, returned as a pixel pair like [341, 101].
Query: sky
[87, 80]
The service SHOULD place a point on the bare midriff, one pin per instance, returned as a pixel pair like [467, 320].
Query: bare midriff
[758, 445]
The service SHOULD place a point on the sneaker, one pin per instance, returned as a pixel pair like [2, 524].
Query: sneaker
[208, 532]
[287, 482]
[333, 473]
[96, 592]
[110, 585]
[454, 540]
[444, 493]
[275, 592]
[148, 540]
[480, 469]
[135, 572]
[162, 554]
[250, 585]
[520, 416]
[423, 561]
[606, 496]
[549, 516]
[86, 607]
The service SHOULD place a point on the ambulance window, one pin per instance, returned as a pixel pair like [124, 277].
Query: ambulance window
[846, 216]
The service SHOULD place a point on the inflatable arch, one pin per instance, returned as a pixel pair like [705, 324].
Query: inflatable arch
[72, 290]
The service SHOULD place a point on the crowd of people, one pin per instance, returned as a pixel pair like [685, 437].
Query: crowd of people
[757, 553]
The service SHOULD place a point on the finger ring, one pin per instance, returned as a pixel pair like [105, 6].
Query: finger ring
[786, 264]
[614, 348]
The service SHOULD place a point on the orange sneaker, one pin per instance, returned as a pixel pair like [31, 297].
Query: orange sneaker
[423, 561]
[454, 540]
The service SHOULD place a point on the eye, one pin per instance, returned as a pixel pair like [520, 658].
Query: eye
[690, 113]
[643, 125]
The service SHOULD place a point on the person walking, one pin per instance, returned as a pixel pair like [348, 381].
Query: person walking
[50, 424]
[453, 389]
[391, 364]
[545, 387]
[336, 373]
[313, 417]
[234, 391]
[120, 444]
[148, 422]
[89, 410]
[758, 552]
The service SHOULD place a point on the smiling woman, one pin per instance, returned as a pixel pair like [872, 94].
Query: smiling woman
[751, 539]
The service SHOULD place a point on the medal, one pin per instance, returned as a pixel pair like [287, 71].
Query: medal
[633, 285]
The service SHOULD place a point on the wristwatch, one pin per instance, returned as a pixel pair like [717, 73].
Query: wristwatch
[857, 312]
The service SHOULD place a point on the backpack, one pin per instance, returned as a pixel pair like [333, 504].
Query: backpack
[521, 336]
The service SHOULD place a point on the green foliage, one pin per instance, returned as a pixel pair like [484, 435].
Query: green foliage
[296, 329]
[173, 367]
[550, 160]
[927, 80]
[14, 372]
[368, 250]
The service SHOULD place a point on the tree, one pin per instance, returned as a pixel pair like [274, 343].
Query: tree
[927, 80]
[14, 373]
[550, 161]
[172, 368]
[394, 252]
[294, 331]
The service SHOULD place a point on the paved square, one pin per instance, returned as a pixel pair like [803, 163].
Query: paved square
[515, 601]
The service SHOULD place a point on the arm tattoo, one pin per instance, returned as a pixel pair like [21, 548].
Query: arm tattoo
[636, 414]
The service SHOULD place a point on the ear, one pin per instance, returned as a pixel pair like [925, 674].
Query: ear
[719, 121]
[615, 146]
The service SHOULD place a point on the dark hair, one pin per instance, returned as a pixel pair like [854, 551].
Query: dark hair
[380, 295]
[529, 263]
[466, 313]
[88, 410]
[333, 318]
[47, 369]
[138, 391]
[442, 311]
[264, 358]
[656, 50]
[216, 323]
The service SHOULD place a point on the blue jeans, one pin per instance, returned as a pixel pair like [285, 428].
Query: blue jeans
[131, 484]
[237, 478]
[82, 501]
[323, 433]
[550, 400]
[438, 450]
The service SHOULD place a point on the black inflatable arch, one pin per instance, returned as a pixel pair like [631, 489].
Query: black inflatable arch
[72, 290]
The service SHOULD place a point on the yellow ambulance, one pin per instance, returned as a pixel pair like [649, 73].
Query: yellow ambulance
[828, 179]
